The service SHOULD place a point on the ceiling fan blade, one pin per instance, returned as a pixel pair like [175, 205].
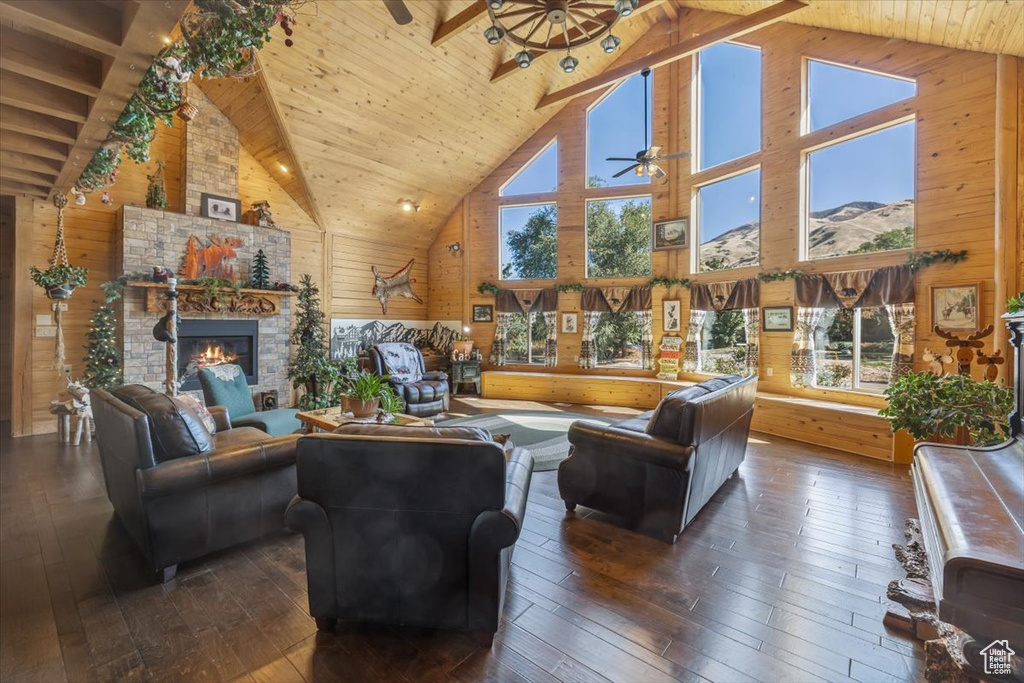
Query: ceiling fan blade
[678, 155]
[621, 159]
[652, 151]
[399, 12]
[625, 170]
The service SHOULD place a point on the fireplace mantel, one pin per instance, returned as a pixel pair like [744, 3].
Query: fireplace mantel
[192, 299]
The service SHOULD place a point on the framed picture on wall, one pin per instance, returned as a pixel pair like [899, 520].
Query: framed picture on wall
[672, 234]
[483, 313]
[777, 318]
[570, 323]
[956, 307]
[671, 309]
[221, 208]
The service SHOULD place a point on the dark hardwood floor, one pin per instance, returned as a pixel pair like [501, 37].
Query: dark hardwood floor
[781, 578]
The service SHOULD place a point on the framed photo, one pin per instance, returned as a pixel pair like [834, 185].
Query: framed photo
[670, 310]
[672, 234]
[221, 208]
[483, 313]
[956, 307]
[570, 323]
[777, 318]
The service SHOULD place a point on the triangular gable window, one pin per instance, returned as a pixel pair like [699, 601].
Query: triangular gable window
[837, 93]
[538, 176]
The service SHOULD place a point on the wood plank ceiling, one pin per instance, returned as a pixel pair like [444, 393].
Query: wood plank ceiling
[67, 69]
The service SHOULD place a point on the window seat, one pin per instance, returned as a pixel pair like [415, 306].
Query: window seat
[842, 426]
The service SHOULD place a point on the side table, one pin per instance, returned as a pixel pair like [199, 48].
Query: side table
[464, 372]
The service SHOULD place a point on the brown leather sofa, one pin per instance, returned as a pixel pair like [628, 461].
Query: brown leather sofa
[180, 492]
[409, 525]
[657, 470]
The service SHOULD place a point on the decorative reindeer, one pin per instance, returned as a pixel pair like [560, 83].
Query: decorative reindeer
[399, 284]
[964, 352]
[991, 363]
[936, 361]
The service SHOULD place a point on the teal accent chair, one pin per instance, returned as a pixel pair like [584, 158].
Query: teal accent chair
[234, 395]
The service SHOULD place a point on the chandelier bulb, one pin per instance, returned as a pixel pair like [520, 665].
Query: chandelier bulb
[524, 58]
[569, 63]
[494, 34]
[610, 43]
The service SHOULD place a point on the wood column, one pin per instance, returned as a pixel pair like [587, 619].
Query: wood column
[23, 320]
[1009, 93]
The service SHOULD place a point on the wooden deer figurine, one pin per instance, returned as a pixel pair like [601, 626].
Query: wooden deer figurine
[991, 363]
[964, 347]
[937, 361]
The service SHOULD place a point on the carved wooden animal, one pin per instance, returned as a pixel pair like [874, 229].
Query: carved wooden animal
[991, 363]
[936, 361]
[964, 347]
[399, 284]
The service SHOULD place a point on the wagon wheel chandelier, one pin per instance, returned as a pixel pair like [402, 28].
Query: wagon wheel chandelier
[554, 25]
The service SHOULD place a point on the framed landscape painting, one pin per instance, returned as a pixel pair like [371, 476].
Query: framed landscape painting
[483, 313]
[221, 208]
[671, 234]
[956, 307]
[777, 318]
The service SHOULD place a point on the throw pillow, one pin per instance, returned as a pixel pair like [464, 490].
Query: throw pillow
[175, 431]
[197, 407]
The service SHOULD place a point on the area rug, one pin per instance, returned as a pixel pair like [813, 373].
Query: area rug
[543, 433]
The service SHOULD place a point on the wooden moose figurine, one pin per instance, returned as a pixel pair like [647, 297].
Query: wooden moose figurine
[991, 363]
[937, 361]
[964, 347]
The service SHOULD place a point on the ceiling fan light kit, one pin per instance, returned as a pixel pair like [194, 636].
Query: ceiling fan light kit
[549, 25]
[645, 163]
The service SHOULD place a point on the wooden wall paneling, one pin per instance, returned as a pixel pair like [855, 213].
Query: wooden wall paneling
[6, 304]
[444, 300]
[352, 281]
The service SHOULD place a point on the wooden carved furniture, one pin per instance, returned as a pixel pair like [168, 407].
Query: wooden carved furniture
[193, 299]
[466, 372]
[967, 582]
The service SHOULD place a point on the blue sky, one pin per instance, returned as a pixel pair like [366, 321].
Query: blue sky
[512, 219]
[878, 167]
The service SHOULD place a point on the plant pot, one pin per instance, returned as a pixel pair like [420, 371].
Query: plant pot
[60, 292]
[465, 348]
[363, 408]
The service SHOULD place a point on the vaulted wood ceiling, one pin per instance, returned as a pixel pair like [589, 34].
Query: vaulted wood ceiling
[67, 69]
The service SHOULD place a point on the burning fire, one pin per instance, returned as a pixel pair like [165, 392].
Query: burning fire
[213, 355]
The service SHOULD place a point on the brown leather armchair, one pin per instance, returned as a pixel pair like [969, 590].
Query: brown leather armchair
[409, 525]
[657, 470]
[423, 397]
[182, 507]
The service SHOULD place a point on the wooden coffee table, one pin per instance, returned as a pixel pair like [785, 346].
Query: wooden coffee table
[329, 419]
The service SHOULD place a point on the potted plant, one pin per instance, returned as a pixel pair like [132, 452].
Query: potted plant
[463, 345]
[364, 393]
[60, 281]
[950, 408]
[391, 404]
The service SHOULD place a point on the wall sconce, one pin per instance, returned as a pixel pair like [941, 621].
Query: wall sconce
[454, 248]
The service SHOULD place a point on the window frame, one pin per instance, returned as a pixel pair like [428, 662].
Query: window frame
[501, 234]
[855, 362]
[695, 227]
[586, 137]
[612, 366]
[529, 342]
[512, 178]
[586, 236]
[695, 118]
[805, 92]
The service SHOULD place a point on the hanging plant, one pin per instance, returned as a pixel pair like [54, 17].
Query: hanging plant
[61, 279]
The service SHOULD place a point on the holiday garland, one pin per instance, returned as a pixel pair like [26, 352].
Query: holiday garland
[923, 259]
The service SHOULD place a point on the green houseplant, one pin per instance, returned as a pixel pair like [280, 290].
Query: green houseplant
[364, 393]
[955, 408]
[60, 281]
[390, 403]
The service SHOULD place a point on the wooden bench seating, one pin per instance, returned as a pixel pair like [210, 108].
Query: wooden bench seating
[842, 426]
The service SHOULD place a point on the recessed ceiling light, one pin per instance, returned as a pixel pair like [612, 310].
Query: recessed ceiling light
[284, 169]
[167, 40]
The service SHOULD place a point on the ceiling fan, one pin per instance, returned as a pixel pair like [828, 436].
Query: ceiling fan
[646, 160]
[399, 12]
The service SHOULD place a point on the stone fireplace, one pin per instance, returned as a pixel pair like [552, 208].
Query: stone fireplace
[149, 238]
[202, 343]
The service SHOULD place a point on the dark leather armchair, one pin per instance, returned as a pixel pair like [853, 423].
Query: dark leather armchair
[424, 397]
[409, 525]
[185, 507]
[658, 469]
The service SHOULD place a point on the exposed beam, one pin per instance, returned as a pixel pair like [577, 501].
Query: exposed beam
[48, 62]
[507, 68]
[29, 162]
[730, 31]
[23, 176]
[47, 149]
[39, 125]
[15, 188]
[28, 93]
[89, 24]
[459, 22]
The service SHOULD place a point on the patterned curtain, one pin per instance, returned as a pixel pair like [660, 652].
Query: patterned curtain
[498, 349]
[691, 352]
[803, 360]
[646, 338]
[752, 329]
[588, 349]
[551, 345]
[901, 318]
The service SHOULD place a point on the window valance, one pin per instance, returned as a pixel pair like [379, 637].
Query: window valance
[616, 299]
[526, 300]
[725, 296]
[856, 288]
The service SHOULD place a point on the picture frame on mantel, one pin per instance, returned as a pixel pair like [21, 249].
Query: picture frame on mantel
[220, 208]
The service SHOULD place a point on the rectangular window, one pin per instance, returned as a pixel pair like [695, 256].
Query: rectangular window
[723, 344]
[619, 237]
[728, 103]
[861, 194]
[526, 338]
[857, 347]
[617, 337]
[529, 242]
[729, 222]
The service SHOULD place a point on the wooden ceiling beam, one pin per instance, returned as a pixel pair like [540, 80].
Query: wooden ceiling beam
[729, 31]
[50, 63]
[92, 25]
[31, 177]
[39, 125]
[460, 22]
[29, 162]
[28, 93]
[27, 144]
[507, 68]
[16, 188]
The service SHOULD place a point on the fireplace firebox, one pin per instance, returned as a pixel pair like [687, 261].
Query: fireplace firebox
[202, 343]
